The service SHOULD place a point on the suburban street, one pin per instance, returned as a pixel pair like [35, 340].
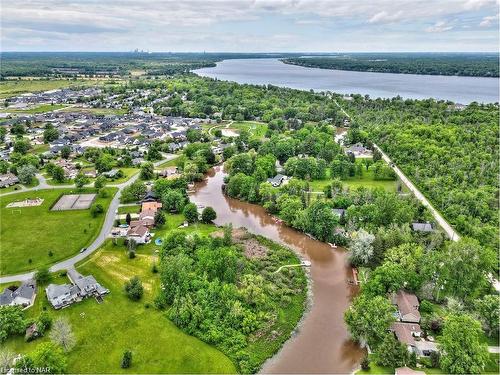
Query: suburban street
[98, 241]
[452, 234]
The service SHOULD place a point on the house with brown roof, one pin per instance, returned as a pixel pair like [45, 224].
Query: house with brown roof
[139, 233]
[408, 305]
[155, 206]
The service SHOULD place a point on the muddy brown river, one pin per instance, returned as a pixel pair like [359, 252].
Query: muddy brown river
[322, 344]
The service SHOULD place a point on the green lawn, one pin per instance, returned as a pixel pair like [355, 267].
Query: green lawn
[40, 109]
[366, 180]
[135, 209]
[31, 232]
[14, 88]
[127, 173]
[105, 330]
[256, 129]
[170, 163]
[40, 149]
[98, 111]
[9, 189]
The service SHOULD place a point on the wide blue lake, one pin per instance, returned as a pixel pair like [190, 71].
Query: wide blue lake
[385, 85]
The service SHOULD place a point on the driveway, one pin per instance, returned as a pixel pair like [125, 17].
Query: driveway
[103, 235]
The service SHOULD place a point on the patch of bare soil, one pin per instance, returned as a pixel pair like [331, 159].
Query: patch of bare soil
[253, 249]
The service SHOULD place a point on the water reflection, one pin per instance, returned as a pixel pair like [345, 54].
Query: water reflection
[322, 345]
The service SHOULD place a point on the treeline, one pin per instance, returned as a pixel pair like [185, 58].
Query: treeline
[451, 155]
[47, 64]
[474, 65]
[230, 101]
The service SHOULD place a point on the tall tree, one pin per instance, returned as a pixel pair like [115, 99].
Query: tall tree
[461, 346]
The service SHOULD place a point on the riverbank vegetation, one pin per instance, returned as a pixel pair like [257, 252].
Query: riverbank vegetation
[447, 64]
[229, 295]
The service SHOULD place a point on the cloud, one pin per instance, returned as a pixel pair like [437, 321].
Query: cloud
[181, 25]
[384, 17]
[439, 27]
[488, 21]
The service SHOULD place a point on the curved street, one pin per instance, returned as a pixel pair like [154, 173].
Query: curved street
[98, 241]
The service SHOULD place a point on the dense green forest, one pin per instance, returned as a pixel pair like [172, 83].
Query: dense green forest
[451, 155]
[449, 64]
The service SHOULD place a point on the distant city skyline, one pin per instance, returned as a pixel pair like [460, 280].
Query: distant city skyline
[251, 26]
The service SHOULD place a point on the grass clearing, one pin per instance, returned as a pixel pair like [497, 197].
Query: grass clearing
[14, 88]
[39, 109]
[135, 209]
[97, 111]
[367, 180]
[170, 163]
[103, 331]
[33, 232]
[256, 129]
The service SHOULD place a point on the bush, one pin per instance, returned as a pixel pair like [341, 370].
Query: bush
[426, 307]
[96, 209]
[365, 363]
[191, 213]
[435, 358]
[134, 289]
[154, 268]
[208, 215]
[131, 254]
[44, 322]
[42, 276]
[126, 359]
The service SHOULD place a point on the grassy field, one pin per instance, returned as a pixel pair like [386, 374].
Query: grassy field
[14, 88]
[40, 149]
[40, 109]
[127, 173]
[97, 111]
[366, 180]
[9, 189]
[105, 330]
[31, 232]
[256, 129]
[170, 163]
[135, 209]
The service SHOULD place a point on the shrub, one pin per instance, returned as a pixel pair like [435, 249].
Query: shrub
[126, 359]
[134, 289]
[96, 209]
[426, 307]
[208, 215]
[191, 213]
[42, 276]
[365, 363]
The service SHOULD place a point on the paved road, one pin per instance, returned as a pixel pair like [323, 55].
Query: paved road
[103, 235]
[452, 234]
[494, 349]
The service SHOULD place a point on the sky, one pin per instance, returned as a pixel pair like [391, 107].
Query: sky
[250, 25]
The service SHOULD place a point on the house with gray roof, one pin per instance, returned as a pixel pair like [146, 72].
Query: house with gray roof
[24, 295]
[422, 227]
[61, 296]
[277, 180]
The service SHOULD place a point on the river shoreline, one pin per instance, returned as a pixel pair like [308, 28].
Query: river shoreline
[271, 71]
[321, 342]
